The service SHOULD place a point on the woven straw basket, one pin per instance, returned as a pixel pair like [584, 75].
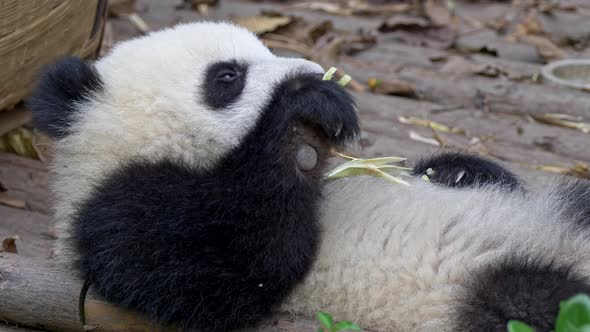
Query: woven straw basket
[34, 33]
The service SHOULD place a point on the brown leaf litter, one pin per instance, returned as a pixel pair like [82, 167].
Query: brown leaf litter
[9, 244]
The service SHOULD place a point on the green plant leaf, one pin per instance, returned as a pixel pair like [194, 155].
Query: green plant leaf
[518, 326]
[321, 329]
[346, 326]
[326, 320]
[573, 313]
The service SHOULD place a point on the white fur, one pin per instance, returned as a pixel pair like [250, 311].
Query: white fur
[152, 107]
[397, 258]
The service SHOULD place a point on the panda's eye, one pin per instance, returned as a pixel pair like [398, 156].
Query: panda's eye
[224, 83]
[227, 75]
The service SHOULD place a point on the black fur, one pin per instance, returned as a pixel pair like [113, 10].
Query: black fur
[220, 92]
[517, 289]
[466, 171]
[63, 83]
[215, 250]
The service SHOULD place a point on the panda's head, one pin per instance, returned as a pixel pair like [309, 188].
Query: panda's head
[207, 95]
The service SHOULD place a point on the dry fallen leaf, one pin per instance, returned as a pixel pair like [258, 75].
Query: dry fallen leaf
[261, 24]
[391, 87]
[287, 44]
[437, 12]
[563, 120]
[139, 23]
[330, 8]
[351, 8]
[5, 199]
[201, 6]
[43, 146]
[404, 22]
[302, 31]
[430, 124]
[422, 139]
[460, 66]
[327, 50]
[9, 244]
[314, 32]
[530, 25]
[580, 170]
[20, 142]
[546, 48]
[354, 43]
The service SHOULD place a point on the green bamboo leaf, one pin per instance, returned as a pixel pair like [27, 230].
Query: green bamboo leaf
[366, 170]
[401, 169]
[364, 163]
[350, 171]
[391, 178]
[344, 156]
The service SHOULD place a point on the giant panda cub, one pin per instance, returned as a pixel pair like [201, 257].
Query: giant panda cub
[188, 182]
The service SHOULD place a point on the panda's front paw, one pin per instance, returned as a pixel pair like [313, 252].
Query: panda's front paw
[465, 171]
[324, 104]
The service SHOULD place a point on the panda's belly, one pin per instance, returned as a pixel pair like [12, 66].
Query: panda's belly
[396, 258]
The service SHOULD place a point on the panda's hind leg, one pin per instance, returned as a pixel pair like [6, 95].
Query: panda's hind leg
[461, 170]
[517, 289]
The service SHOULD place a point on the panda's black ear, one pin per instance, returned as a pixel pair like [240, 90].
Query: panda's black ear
[61, 86]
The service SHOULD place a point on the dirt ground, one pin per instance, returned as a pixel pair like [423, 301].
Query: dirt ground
[427, 75]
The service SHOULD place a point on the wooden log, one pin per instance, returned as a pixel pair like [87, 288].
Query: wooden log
[12, 328]
[41, 294]
[38, 295]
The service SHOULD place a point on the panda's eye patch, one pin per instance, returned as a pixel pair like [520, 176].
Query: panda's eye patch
[224, 83]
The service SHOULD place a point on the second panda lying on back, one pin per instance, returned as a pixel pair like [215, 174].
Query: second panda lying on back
[186, 190]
